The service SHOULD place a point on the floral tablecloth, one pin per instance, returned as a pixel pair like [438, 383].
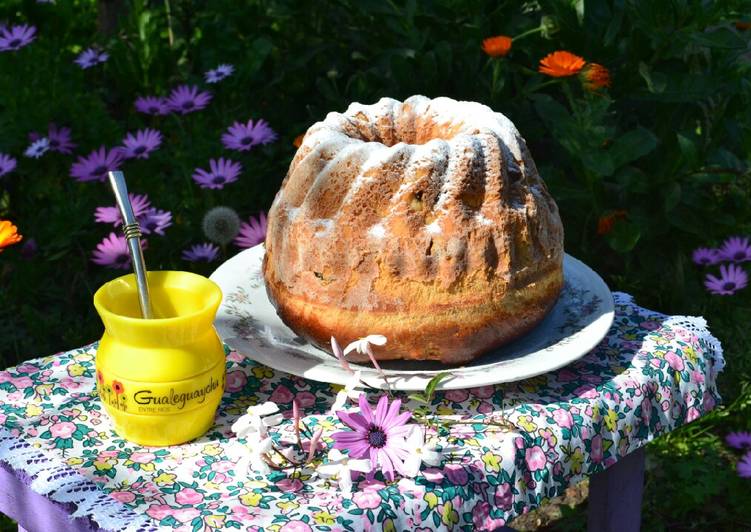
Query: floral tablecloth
[651, 374]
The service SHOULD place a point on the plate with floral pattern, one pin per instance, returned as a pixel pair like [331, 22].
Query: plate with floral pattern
[248, 323]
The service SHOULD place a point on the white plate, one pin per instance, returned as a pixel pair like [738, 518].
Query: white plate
[248, 323]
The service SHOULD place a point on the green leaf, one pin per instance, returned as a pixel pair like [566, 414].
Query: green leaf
[624, 236]
[614, 26]
[656, 82]
[418, 397]
[633, 180]
[259, 51]
[632, 145]
[720, 38]
[688, 150]
[434, 382]
[599, 162]
[672, 197]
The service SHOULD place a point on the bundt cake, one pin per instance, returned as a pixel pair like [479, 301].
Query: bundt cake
[425, 221]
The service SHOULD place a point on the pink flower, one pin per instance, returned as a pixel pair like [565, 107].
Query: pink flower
[597, 449]
[503, 496]
[674, 361]
[535, 458]
[159, 511]
[456, 474]
[566, 375]
[142, 458]
[305, 399]
[123, 496]
[485, 408]
[483, 392]
[281, 395]
[27, 368]
[234, 356]
[188, 496]
[62, 430]
[692, 414]
[186, 514]
[222, 466]
[697, 376]
[433, 474]
[236, 381]
[69, 383]
[295, 526]
[482, 520]
[290, 484]
[22, 382]
[5, 376]
[456, 396]
[378, 434]
[708, 402]
[563, 418]
[586, 391]
[367, 499]
[107, 454]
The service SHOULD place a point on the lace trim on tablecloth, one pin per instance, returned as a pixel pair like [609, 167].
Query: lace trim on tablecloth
[695, 324]
[61, 484]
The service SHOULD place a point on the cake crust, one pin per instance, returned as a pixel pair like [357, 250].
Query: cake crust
[425, 221]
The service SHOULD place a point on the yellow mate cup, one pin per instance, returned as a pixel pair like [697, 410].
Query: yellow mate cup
[160, 379]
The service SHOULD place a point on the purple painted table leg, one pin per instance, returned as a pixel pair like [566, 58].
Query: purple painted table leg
[34, 512]
[615, 496]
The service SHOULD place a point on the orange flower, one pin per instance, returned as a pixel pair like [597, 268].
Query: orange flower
[595, 76]
[605, 223]
[118, 387]
[742, 25]
[8, 234]
[497, 46]
[561, 64]
[298, 140]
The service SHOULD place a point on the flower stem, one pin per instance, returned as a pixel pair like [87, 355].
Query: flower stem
[538, 29]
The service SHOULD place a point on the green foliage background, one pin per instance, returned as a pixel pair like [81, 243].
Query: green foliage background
[669, 143]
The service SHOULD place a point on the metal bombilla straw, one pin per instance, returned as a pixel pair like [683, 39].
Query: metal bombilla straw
[133, 236]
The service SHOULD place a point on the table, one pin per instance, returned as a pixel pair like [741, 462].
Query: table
[651, 374]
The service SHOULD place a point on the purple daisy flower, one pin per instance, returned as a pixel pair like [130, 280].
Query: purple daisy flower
[222, 172]
[243, 137]
[112, 251]
[16, 37]
[736, 249]
[152, 105]
[739, 440]
[7, 164]
[95, 166]
[38, 148]
[201, 252]
[253, 232]
[377, 434]
[155, 221]
[60, 139]
[732, 278]
[187, 99]
[91, 57]
[111, 215]
[706, 256]
[141, 144]
[744, 466]
[215, 75]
